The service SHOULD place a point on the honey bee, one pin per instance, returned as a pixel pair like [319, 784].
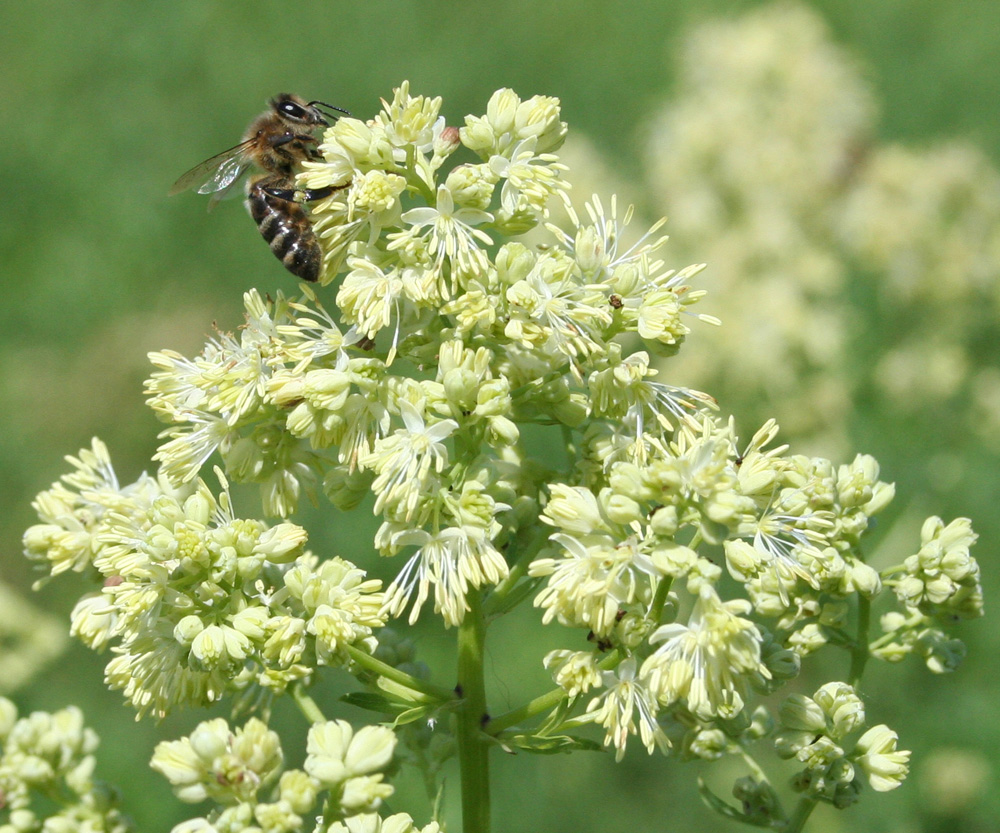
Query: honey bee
[276, 142]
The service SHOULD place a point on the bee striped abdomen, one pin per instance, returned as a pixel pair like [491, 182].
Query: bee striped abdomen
[285, 226]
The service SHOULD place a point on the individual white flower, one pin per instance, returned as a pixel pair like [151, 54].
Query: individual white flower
[451, 561]
[708, 663]
[452, 234]
[884, 764]
[407, 462]
[530, 179]
[594, 577]
[626, 707]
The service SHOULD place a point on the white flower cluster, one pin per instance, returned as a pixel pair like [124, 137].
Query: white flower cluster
[31, 639]
[198, 602]
[815, 732]
[789, 525]
[746, 160]
[504, 333]
[936, 586]
[47, 775]
[343, 773]
[767, 162]
[457, 352]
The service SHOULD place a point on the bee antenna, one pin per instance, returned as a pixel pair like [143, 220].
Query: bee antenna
[329, 107]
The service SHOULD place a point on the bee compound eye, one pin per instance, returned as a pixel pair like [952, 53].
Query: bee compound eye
[290, 108]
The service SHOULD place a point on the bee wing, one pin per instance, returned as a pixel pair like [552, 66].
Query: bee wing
[217, 173]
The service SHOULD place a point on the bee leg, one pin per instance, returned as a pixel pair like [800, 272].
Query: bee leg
[303, 194]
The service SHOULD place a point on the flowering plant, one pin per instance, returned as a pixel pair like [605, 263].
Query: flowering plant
[692, 574]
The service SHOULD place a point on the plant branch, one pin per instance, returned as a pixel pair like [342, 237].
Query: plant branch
[306, 704]
[473, 751]
[368, 662]
[860, 652]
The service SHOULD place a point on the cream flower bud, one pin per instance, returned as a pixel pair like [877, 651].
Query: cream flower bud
[326, 747]
[447, 141]
[664, 521]
[843, 707]
[187, 629]
[478, 135]
[298, 789]
[576, 672]
[257, 748]
[354, 136]
[884, 765]
[363, 794]
[209, 647]
[252, 621]
[803, 713]
[514, 262]
[742, 559]
[336, 753]
[623, 510]
[370, 750]
[538, 117]
[865, 579]
[573, 509]
[210, 739]
[282, 543]
[472, 185]
[199, 507]
[501, 110]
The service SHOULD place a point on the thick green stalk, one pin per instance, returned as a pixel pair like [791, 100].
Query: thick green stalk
[860, 652]
[473, 750]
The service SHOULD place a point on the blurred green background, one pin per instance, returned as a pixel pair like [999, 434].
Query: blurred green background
[104, 104]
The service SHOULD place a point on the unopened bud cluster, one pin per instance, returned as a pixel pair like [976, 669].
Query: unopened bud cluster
[47, 779]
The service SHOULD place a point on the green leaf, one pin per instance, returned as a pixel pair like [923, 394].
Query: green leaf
[413, 715]
[550, 744]
[370, 701]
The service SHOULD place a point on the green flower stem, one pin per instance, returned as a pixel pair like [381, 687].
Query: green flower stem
[307, 705]
[801, 815]
[541, 704]
[507, 593]
[755, 769]
[473, 751]
[860, 652]
[660, 599]
[569, 444]
[368, 662]
[883, 640]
